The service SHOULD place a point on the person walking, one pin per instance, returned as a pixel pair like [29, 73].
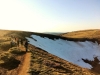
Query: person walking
[21, 41]
[12, 43]
[26, 45]
[16, 39]
[17, 42]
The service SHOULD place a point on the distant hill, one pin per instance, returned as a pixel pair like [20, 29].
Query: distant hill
[53, 33]
[93, 33]
[87, 34]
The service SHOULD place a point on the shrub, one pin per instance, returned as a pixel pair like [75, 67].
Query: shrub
[5, 46]
[16, 51]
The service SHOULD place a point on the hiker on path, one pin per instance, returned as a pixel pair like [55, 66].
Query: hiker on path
[11, 43]
[26, 45]
[17, 42]
[21, 41]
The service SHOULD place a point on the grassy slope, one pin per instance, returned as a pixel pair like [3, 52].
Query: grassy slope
[42, 63]
[83, 34]
[10, 58]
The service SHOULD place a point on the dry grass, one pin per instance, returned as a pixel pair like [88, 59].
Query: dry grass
[89, 35]
[3, 32]
[8, 54]
[4, 46]
[42, 63]
[8, 61]
[83, 34]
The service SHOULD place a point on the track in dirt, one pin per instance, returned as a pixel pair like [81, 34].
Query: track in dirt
[25, 65]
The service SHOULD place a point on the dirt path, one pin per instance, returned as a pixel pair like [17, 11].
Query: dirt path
[25, 65]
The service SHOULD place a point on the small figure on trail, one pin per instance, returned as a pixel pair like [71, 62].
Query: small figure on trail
[17, 42]
[12, 43]
[26, 45]
[21, 41]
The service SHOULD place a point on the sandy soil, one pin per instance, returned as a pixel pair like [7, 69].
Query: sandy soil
[25, 65]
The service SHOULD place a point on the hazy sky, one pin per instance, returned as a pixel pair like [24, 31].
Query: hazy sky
[49, 15]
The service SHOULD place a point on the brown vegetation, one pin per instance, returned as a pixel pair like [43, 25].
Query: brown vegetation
[13, 59]
[92, 35]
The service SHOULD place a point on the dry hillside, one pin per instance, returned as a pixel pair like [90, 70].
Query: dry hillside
[14, 59]
[83, 34]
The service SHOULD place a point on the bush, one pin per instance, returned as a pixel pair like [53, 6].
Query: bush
[8, 61]
[4, 57]
[5, 46]
[16, 51]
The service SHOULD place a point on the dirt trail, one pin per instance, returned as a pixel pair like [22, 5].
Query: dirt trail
[25, 65]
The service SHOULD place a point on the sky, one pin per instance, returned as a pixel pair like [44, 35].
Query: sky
[49, 15]
[68, 50]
